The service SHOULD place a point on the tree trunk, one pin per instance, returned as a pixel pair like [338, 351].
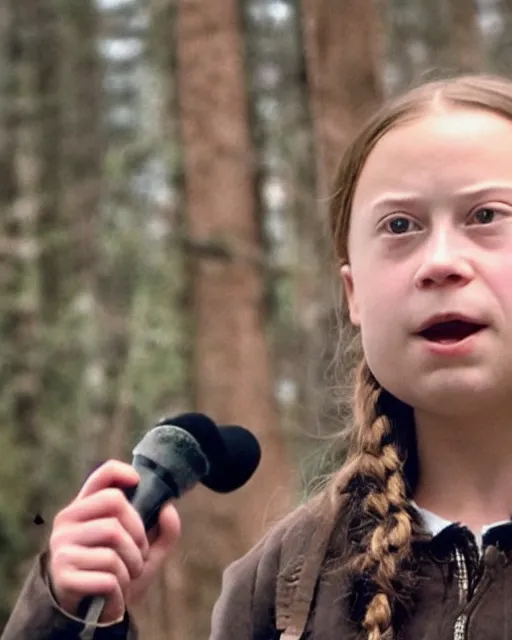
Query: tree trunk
[465, 36]
[342, 48]
[342, 45]
[11, 317]
[401, 28]
[115, 274]
[501, 52]
[451, 37]
[36, 176]
[233, 380]
[75, 263]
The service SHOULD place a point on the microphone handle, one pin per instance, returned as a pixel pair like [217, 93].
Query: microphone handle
[147, 498]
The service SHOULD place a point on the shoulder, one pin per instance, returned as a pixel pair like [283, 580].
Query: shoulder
[267, 574]
[288, 537]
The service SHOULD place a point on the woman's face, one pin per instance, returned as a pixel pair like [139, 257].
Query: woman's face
[431, 239]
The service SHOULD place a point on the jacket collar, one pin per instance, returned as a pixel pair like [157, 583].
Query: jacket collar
[435, 524]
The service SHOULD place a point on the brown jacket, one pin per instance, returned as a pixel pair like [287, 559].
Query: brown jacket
[277, 591]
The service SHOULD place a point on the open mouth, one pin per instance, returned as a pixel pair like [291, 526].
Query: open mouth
[451, 331]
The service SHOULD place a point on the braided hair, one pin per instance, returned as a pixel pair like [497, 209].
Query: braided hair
[381, 566]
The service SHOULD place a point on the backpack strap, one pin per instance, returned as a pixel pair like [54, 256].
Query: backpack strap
[295, 591]
[303, 551]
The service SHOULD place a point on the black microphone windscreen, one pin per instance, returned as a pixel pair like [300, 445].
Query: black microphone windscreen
[242, 455]
[204, 430]
[233, 452]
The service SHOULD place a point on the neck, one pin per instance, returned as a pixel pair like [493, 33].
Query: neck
[465, 467]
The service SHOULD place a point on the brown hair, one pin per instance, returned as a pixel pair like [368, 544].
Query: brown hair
[381, 470]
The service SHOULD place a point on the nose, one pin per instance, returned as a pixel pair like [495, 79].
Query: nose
[444, 262]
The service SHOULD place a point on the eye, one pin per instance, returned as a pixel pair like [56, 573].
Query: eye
[486, 215]
[400, 225]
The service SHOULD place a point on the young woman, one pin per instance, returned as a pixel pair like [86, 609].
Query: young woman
[411, 539]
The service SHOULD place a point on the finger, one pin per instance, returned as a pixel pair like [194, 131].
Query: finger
[95, 583]
[107, 503]
[105, 532]
[112, 473]
[164, 535]
[87, 559]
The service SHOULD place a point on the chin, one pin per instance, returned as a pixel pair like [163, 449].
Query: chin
[456, 396]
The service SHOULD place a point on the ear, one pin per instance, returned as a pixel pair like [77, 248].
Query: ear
[348, 289]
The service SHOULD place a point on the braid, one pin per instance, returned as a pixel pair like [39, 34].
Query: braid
[381, 490]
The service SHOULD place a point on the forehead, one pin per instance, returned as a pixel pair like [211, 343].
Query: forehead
[448, 149]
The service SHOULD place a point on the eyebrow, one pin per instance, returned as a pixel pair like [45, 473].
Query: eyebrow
[479, 190]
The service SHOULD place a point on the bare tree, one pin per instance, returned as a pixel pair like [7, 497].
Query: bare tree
[343, 42]
[465, 36]
[12, 270]
[343, 47]
[428, 40]
[232, 375]
[113, 263]
[501, 44]
[36, 169]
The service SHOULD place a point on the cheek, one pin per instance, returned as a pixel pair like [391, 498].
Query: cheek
[382, 295]
[382, 305]
[500, 282]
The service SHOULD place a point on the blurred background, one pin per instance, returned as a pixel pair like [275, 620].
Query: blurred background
[165, 168]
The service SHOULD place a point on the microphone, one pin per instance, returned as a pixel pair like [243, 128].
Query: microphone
[171, 459]
[182, 451]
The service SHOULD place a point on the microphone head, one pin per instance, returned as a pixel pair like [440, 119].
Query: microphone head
[233, 453]
[174, 451]
[242, 456]
[202, 429]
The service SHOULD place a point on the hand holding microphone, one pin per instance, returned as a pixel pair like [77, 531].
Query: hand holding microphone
[98, 544]
[99, 548]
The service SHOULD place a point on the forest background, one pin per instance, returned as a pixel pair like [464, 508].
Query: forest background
[165, 168]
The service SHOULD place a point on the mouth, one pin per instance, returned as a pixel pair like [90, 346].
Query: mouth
[450, 331]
